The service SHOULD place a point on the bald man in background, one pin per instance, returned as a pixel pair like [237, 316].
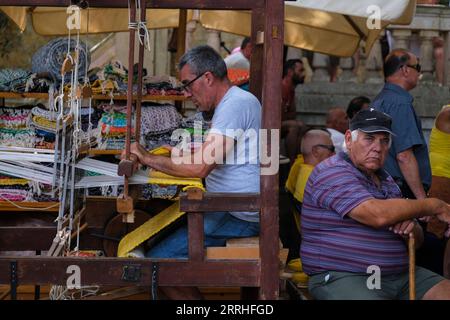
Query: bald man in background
[316, 147]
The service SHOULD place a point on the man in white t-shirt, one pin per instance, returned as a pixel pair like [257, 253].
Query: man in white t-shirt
[337, 124]
[241, 58]
[232, 167]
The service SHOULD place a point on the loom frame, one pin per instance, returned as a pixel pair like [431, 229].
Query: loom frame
[260, 277]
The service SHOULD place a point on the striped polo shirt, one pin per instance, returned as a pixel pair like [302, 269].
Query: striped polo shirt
[331, 240]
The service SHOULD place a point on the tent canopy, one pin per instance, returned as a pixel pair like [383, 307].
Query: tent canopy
[326, 26]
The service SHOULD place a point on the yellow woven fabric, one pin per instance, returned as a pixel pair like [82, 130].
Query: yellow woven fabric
[304, 172]
[160, 151]
[7, 182]
[157, 177]
[44, 122]
[148, 229]
[440, 153]
[293, 173]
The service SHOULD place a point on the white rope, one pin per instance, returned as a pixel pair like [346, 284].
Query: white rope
[64, 293]
[139, 25]
[28, 208]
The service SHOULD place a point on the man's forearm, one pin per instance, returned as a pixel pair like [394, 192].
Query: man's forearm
[382, 213]
[410, 170]
[166, 165]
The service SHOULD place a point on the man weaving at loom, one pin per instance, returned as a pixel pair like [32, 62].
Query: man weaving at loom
[354, 221]
[228, 159]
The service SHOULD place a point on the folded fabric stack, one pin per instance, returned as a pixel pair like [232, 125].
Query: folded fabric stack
[20, 80]
[113, 124]
[162, 85]
[14, 130]
[158, 121]
[15, 189]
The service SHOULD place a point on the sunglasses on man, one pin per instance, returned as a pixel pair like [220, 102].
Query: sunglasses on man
[330, 148]
[416, 66]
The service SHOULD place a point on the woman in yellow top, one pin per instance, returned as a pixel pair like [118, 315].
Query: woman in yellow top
[440, 155]
[440, 169]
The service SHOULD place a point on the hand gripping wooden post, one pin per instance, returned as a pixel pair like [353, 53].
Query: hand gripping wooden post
[412, 266]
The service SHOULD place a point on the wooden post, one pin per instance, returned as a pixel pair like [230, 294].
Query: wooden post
[195, 228]
[126, 166]
[271, 119]
[130, 86]
[137, 132]
[181, 40]
[256, 61]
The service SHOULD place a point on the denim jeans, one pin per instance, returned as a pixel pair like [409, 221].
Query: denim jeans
[218, 227]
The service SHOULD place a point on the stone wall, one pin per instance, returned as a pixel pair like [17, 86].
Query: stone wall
[314, 99]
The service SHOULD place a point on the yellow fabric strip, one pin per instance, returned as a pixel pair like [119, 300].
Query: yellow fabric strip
[440, 153]
[157, 177]
[149, 229]
[5, 182]
[293, 173]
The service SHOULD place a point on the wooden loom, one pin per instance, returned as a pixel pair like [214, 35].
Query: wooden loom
[260, 276]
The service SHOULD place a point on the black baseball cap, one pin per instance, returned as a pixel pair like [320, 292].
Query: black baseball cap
[371, 120]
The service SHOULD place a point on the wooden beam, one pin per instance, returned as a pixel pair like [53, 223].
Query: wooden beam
[271, 119]
[213, 202]
[161, 4]
[256, 63]
[25, 238]
[110, 271]
[181, 36]
[207, 4]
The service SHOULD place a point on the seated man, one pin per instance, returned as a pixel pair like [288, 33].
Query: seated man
[316, 147]
[337, 124]
[354, 221]
[224, 159]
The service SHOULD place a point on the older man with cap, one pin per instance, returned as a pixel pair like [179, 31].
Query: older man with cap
[355, 223]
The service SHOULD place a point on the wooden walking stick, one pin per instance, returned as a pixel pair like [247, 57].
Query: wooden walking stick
[412, 266]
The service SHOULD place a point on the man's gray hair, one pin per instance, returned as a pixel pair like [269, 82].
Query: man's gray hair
[355, 136]
[204, 58]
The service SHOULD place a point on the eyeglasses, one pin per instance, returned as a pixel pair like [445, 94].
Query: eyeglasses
[329, 148]
[185, 85]
[416, 66]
